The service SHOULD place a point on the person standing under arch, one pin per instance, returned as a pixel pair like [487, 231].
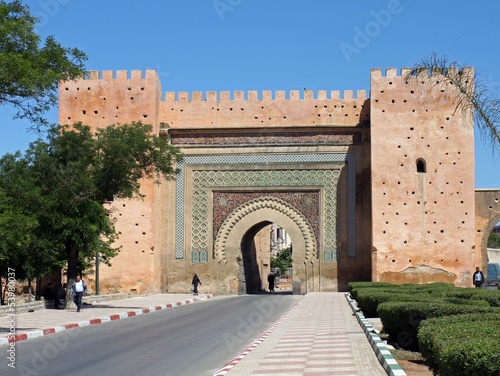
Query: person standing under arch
[270, 278]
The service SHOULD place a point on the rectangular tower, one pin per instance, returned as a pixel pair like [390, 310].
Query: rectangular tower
[101, 101]
[422, 163]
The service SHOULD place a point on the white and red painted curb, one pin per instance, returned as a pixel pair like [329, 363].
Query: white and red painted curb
[384, 356]
[255, 342]
[44, 332]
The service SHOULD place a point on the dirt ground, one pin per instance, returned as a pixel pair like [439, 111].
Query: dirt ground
[414, 368]
[412, 362]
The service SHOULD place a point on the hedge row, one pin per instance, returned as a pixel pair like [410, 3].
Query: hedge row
[401, 320]
[459, 334]
[369, 300]
[463, 345]
[370, 295]
[354, 287]
[491, 296]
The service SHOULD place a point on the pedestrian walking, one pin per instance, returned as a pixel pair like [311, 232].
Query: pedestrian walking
[79, 290]
[270, 278]
[195, 283]
[478, 278]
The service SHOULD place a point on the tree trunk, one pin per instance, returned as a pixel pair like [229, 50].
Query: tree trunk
[29, 290]
[72, 252]
[38, 284]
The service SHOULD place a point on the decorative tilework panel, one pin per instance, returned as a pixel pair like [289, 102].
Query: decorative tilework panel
[266, 138]
[350, 159]
[203, 179]
[305, 202]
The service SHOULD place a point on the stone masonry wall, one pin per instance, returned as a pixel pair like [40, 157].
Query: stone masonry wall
[223, 111]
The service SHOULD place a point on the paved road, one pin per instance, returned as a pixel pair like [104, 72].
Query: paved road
[195, 339]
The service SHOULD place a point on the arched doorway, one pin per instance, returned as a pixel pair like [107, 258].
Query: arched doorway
[255, 259]
[233, 248]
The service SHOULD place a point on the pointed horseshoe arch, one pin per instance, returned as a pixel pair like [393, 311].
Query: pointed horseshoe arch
[260, 203]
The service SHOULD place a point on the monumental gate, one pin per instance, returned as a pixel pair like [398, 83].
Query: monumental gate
[378, 188]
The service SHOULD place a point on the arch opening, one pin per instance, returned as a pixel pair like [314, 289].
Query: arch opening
[235, 242]
[260, 255]
[255, 257]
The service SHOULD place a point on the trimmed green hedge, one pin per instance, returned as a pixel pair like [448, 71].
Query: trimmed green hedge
[402, 319]
[491, 296]
[369, 299]
[366, 285]
[462, 345]
[473, 302]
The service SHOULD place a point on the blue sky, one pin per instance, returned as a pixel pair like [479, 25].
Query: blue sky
[215, 45]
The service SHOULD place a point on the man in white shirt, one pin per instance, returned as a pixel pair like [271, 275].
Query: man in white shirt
[79, 289]
[478, 278]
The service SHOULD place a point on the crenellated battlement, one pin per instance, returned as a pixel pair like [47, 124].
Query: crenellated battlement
[120, 75]
[264, 109]
[266, 95]
[393, 72]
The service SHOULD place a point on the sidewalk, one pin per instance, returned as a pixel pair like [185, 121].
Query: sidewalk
[320, 336]
[33, 324]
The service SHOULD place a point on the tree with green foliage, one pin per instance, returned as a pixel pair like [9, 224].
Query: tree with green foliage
[31, 69]
[73, 173]
[283, 260]
[494, 241]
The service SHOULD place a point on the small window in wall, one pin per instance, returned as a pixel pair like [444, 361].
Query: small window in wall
[421, 165]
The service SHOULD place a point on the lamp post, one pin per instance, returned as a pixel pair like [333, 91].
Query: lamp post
[97, 245]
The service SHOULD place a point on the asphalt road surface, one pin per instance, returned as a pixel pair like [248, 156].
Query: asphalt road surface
[195, 339]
